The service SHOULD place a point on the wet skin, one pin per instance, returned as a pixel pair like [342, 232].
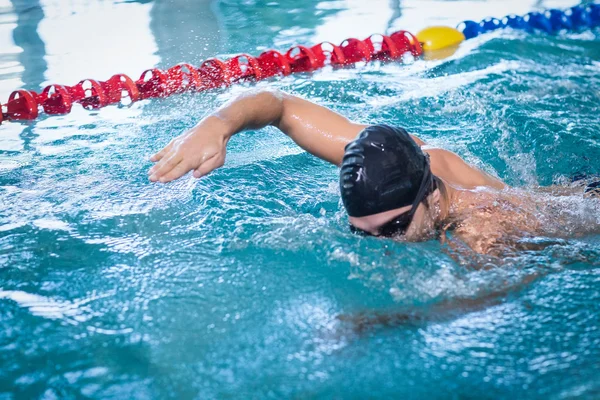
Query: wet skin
[485, 213]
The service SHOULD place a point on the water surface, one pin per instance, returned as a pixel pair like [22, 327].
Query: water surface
[232, 286]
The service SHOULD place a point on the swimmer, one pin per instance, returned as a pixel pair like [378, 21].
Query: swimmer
[392, 184]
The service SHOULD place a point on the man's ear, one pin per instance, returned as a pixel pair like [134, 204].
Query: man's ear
[435, 196]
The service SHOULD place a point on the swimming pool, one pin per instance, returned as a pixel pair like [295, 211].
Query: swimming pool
[231, 286]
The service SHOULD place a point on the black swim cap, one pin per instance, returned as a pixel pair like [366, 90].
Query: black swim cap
[382, 169]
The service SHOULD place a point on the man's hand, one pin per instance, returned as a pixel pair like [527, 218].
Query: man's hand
[316, 129]
[201, 149]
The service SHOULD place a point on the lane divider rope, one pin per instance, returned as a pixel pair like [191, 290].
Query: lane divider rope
[213, 73]
[551, 21]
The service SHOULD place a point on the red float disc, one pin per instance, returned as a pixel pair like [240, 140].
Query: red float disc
[213, 73]
[301, 59]
[273, 63]
[152, 83]
[355, 50]
[383, 50]
[243, 67]
[115, 87]
[22, 105]
[183, 77]
[56, 99]
[94, 96]
[334, 55]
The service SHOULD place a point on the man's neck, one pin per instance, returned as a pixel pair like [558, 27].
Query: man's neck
[453, 200]
[447, 194]
[456, 200]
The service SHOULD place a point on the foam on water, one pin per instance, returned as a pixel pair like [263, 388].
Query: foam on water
[247, 283]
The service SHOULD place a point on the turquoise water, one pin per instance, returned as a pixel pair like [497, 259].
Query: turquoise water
[245, 284]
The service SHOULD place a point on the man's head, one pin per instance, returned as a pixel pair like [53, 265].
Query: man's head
[384, 177]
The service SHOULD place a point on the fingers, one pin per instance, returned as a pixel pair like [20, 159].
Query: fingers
[156, 157]
[177, 172]
[175, 167]
[160, 164]
[209, 165]
[164, 166]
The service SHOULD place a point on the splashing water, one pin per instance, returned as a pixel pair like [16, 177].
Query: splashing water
[247, 283]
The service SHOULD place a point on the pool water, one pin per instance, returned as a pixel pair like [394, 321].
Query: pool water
[247, 283]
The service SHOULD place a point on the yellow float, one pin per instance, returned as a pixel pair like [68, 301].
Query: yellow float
[439, 37]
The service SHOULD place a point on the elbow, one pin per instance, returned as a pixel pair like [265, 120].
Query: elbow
[273, 101]
[267, 96]
[275, 93]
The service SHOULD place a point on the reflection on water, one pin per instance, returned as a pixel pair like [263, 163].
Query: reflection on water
[66, 42]
[96, 39]
[186, 31]
[243, 284]
[25, 35]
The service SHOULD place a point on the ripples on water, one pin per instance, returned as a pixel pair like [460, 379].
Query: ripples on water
[233, 285]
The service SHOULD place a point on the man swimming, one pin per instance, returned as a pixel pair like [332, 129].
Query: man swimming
[391, 183]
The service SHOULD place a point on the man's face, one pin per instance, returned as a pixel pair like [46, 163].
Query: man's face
[420, 227]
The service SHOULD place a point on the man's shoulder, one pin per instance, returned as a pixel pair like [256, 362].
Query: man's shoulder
[452, 168]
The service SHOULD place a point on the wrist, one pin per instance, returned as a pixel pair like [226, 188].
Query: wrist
[217, 125]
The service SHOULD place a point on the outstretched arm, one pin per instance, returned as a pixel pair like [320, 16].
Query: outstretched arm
[316, 129]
